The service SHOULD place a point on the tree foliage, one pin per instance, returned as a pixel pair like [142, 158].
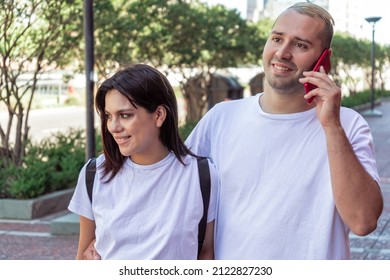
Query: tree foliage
[35, 36]
[112, 37]
[189, 38]
[351, 56]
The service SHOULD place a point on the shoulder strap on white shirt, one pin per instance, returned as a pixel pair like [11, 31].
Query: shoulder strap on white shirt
[204, 178]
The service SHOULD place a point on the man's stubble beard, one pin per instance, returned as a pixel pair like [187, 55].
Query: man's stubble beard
[284, 86]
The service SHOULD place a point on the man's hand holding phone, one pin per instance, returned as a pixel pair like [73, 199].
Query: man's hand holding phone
[328, 95]
[324, 61]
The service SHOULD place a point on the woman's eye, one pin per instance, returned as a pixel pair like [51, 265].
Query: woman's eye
[125, 116]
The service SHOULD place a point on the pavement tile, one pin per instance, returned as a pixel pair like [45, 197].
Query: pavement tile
[377, 256]
[25, 227]
[38, 248]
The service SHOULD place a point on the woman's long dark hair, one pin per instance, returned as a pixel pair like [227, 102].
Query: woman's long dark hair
[143, 86]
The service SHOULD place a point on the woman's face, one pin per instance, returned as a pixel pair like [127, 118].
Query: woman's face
[135, 130]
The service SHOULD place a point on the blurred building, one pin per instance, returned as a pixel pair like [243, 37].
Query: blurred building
[346, 13]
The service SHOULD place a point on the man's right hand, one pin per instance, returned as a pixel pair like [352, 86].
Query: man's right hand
[91, 253]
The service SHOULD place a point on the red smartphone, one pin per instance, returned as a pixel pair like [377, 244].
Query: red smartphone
[324, 60]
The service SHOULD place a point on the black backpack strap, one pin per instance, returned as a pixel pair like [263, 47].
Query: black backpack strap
[204, 178]
[90, 176]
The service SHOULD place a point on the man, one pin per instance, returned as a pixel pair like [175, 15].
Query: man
[295, 177]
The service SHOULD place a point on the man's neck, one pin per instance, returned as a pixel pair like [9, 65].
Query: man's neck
[283, 103]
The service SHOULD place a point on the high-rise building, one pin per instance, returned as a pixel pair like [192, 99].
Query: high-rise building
[347, 16]
[346, 13]
[254, 9]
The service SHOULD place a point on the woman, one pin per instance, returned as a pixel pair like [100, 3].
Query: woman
[147, 202]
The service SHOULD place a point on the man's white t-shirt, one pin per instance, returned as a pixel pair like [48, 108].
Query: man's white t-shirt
[275, 198]
[147, 211]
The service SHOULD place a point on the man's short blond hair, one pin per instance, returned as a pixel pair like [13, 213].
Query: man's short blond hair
[315, 11]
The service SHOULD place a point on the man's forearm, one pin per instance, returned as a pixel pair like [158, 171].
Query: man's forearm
[357, 196]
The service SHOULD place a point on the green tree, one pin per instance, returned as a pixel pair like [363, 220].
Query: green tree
[35, 35]
[190, 38]
[349, 54]
[185, 37]
[113, 43]
[204, 40]
[382, 55]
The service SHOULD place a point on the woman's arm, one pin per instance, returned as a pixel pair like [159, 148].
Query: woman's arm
[207, 252]
[87, 234]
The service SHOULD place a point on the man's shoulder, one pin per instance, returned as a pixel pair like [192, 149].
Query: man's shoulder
[351, 119]
[348, 113]
[235, 104]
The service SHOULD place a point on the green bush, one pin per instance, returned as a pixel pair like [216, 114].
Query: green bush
[186, 129]
[355, 100]
[51, 165]
[361, 98]
[72, 101]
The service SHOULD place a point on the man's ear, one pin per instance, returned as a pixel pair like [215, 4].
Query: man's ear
[160, 115]
[330, 52]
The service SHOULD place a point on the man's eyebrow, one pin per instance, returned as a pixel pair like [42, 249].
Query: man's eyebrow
[295, 38]
[276, 32]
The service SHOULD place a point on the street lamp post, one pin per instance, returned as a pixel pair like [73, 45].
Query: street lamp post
[372, 111]
[89, 73]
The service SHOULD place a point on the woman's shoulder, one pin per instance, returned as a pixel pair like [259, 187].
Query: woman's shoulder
[100, 159]
[189, 159]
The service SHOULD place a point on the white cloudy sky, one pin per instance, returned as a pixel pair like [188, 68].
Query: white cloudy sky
[369, 8]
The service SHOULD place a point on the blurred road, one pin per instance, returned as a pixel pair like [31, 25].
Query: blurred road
[44, 122]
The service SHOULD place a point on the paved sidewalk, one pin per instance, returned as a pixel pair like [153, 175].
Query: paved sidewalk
[376, 246]
[32, 240]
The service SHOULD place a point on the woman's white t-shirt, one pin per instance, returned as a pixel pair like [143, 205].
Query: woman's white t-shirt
[147, 211]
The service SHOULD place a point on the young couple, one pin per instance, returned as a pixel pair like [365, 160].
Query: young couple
[289, 179]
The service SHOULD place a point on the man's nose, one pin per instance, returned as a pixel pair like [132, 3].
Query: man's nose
[284, 52]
